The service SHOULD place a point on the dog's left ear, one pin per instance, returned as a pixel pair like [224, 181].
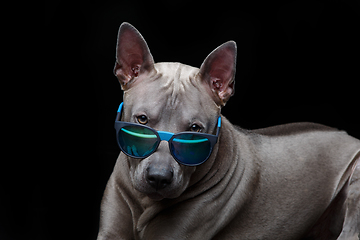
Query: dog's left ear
[218, 72]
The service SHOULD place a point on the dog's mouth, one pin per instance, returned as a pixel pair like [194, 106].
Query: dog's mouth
[155, 196]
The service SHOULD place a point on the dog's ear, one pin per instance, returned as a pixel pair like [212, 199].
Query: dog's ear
[133, 56]
[218, 72]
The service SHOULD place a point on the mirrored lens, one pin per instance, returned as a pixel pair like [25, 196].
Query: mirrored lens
[190, 149]
[137, 141]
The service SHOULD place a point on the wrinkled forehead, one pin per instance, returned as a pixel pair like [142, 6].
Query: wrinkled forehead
[173, 92]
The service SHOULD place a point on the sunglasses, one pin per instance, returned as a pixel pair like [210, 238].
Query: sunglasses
[187, 148]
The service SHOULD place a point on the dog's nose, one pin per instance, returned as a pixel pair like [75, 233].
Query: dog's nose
[159, 178]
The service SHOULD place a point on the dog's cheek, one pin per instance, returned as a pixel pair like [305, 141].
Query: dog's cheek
[137, 174]
[182, 178]
[188, 172]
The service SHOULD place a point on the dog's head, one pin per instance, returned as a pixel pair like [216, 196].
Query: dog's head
[170, 97]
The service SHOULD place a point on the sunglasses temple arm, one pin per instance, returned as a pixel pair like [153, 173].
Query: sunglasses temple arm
[118, 115]
[218, 126]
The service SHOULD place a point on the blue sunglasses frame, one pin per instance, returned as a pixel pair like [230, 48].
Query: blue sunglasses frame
[166, 136]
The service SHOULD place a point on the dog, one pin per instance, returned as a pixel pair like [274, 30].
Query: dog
[293, 181]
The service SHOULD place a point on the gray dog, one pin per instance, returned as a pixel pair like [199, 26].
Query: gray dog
[185, 172]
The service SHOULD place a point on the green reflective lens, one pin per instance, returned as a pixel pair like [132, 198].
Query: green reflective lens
[190, 149]
[137, 140]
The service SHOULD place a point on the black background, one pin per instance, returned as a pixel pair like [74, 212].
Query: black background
[297, 61]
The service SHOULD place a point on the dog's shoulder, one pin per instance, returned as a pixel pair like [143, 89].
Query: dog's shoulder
[292, 129]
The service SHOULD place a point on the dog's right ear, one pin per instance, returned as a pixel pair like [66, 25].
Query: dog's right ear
[133, 57]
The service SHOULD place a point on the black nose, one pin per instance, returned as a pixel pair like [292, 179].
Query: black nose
[159, 178]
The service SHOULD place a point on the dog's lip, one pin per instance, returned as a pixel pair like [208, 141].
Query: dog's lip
[155, 196]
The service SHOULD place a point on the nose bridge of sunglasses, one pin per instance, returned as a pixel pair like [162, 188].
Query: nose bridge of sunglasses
[165, 135]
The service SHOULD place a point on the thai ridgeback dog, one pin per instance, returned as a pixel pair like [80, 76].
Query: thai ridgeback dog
[185, 172]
